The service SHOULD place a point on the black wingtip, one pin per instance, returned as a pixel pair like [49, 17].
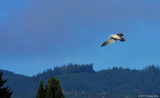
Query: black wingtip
[102, 45]
[122, 39]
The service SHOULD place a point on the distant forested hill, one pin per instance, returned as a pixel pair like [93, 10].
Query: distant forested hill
[81, 81]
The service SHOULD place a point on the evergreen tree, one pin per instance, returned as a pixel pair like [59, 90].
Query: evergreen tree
[41, 91]
[4, 92]
[53, 89]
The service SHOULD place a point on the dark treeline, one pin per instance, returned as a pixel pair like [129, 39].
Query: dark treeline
[73, 68]
[81, 81]
[70, 69]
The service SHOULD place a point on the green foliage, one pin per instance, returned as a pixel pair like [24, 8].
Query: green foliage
[81, 81]
[53, 89]
[5, 92]
[41, 91]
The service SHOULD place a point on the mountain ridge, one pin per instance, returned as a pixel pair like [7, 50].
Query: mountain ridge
[82, 81]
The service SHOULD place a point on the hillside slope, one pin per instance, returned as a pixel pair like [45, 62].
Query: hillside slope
[79, 81]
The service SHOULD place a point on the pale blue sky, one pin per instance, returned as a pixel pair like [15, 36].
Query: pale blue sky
[39, 34]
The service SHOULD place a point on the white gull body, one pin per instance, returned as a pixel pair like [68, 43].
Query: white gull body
[113, 38]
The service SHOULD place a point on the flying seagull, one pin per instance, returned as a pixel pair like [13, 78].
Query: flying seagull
[113, 38]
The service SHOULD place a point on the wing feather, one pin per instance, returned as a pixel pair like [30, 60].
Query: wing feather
[109, 41]
[120, 35]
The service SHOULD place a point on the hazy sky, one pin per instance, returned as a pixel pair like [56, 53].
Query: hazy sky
[39, 34]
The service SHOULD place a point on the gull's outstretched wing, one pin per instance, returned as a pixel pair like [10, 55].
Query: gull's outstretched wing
[109, 41]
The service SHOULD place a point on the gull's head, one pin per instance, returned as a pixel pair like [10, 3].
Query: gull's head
[111, 35]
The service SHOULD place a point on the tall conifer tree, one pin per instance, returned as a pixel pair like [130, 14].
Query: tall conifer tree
[4, 92]
[53, 89]
[41, 91]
